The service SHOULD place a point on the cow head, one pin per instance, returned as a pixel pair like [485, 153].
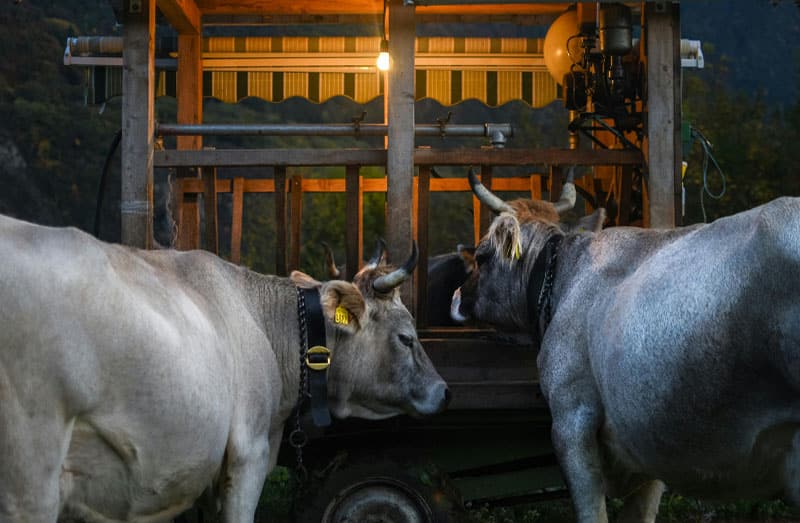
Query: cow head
[497, 291]
[378, 366]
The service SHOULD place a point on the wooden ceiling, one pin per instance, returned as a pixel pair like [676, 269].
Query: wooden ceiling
[362, 7]
[187, 16]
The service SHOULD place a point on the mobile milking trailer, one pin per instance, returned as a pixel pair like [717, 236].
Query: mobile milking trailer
[613, 69]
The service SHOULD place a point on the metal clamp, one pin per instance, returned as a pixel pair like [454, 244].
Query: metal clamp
[357, 121]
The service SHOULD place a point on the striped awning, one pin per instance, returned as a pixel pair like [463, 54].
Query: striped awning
[448, 69]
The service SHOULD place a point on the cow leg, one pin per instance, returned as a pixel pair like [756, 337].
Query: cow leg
[641, 506]
[246, 469]
[33, 446]
[792, 472]
[574, 436]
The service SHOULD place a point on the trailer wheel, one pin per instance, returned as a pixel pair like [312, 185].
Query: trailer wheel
[380, 491]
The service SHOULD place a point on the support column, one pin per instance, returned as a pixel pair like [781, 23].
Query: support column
[189, 84]
[663, 120]
[400, 155]
[138, 77]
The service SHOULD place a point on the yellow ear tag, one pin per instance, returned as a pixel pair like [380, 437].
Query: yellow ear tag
[342, 316]
[518, 251]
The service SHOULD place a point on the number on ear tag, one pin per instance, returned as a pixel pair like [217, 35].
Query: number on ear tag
[342, 316]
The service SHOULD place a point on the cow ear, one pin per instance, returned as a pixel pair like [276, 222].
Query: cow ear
[343, 305]
[467, 256]
[303, 280]
[505, 236]
[592, 223]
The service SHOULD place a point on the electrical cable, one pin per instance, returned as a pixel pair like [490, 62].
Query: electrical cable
[101, 186]
[706, 145]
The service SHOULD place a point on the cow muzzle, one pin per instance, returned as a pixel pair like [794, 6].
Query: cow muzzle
[455, 308]
[436, 400]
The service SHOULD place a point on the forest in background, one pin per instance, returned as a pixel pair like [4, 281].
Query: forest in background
[53, 146]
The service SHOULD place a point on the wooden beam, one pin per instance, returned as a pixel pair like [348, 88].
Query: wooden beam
[138, 80]
[236, 219]
[361, 7]
[485, 216]
[190, 111]
[295, 224]
[183, 15]
[338, 185]
[400, 155]
[434, 157]
[663, 123]
[281, 235]
[423, 217]
[352, 223]
[497, 157]
[209, 178]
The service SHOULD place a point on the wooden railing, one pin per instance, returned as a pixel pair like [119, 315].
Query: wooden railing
[289, 197]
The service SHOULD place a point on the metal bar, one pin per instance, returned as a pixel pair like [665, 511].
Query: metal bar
[345, 129]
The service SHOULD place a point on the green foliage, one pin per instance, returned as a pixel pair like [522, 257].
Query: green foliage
[754, 145]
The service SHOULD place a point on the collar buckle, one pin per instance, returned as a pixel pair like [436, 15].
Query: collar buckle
[318, 358]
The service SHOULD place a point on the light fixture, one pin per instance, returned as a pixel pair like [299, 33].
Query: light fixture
[383, 61]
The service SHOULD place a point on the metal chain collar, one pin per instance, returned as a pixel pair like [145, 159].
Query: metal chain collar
[544, 304]
[298, 437]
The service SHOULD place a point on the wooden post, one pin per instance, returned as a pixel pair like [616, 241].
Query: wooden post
[400, 156]
[352, 221]
[236, 219]
[663, 125]
[189, 84]
[423, 216]
[486, 213]
[209, 177]
[536, 187]
[296, 209]
[556, 180]
[138, 77]
[625, 186]
[281, 235]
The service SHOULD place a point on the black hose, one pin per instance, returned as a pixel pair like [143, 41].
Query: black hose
[101, 187]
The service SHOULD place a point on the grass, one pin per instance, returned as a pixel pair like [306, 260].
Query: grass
[674, 509]
[276, 501]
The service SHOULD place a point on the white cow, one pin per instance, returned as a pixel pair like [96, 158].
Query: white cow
[130, 381]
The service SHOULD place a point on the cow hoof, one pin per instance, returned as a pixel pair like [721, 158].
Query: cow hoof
[380, 491]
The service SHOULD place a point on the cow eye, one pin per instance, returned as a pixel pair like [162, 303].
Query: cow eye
[406, 340]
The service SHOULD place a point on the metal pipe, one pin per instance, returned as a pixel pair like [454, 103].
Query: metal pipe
[498, 133]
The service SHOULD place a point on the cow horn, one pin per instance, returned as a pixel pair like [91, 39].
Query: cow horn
[568, 194]
[494, 202]
[330, 263]
[387, 282]
[378, 255]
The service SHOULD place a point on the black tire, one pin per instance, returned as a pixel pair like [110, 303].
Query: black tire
[380, 490]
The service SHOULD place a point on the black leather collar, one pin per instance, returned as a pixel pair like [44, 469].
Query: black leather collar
[540, 287]
[316, 356]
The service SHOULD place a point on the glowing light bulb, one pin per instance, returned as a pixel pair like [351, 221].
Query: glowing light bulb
[383, 61]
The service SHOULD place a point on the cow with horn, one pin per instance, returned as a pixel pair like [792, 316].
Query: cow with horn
[666, 356]
[132, 381]
[446, 272]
